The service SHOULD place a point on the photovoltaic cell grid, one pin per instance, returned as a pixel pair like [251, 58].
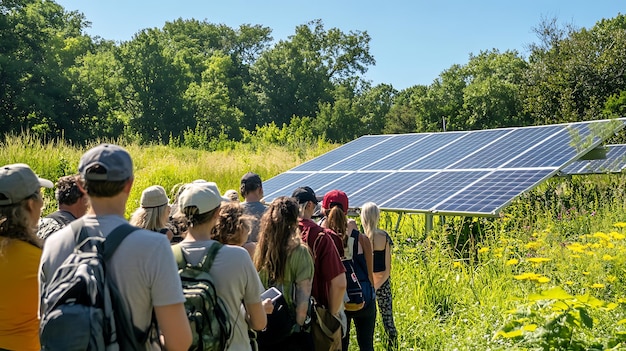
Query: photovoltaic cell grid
[615, 162]
[468, 173]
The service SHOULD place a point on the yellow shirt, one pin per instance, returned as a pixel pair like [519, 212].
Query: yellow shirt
[19, 296]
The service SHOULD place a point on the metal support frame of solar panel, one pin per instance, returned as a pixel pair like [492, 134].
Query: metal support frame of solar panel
[457, 173]
[615, 162]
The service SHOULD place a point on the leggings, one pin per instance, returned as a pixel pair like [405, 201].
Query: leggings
[385, 306]
[364, 322]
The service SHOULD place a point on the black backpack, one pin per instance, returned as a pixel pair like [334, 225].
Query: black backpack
[356, 298]
[82, 308]
[208, 316]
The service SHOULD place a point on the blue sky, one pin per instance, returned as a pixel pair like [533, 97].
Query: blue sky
[413, 41]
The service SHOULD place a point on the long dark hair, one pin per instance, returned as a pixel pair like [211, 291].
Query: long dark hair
[278, 237]
[338, 222]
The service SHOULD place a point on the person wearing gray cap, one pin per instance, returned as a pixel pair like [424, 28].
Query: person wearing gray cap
[142, 268]
[20, 250]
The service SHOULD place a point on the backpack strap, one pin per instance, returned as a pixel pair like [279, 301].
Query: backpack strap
[178, 255]
[207, 260]
[115, 238]
[59, 218]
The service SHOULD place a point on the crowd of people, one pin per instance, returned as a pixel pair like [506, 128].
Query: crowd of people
[265, 245]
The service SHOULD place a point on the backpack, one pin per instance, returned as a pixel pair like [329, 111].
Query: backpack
[82, 308]
[354, 290]
[208, 316]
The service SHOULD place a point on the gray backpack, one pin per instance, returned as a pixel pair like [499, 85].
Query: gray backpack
[81, 308]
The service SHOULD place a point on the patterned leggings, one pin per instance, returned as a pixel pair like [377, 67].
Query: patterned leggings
[385, 306]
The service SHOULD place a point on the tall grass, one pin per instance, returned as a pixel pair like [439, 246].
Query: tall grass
[550, 273]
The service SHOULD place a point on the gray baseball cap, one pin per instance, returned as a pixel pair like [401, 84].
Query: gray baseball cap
[114, 159]
[18, 181]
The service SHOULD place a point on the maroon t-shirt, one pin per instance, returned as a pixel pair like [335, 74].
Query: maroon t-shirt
[326, 258]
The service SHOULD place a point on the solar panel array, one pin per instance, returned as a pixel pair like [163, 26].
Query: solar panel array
[615, 162]
[467, 173]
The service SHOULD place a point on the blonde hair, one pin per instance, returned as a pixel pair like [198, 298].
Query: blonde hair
[370, 215]
[152, 218]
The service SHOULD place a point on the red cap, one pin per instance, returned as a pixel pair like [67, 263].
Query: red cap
[335, 197]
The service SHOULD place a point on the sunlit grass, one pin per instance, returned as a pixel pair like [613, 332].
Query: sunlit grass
[550, 273]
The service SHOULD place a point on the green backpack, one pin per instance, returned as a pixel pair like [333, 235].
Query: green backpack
[207, 313]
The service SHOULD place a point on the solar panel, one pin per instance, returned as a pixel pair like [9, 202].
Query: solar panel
[615, 162]
[467, 172]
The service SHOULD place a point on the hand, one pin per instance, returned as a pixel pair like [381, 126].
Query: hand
[351, 226]
[268, 306]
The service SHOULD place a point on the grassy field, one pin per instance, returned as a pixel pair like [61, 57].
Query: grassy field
[548, 274]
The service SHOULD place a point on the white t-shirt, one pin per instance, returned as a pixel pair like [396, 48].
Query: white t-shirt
[143, 266]
[236, 281]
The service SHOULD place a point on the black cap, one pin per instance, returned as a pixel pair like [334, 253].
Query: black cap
[304, 194]
[250, 182]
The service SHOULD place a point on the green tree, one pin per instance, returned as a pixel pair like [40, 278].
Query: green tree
[402, 114]
[155, 101]
[296, 77]
[39, 41]
[209, 101]
[573, 72]
[492, 96]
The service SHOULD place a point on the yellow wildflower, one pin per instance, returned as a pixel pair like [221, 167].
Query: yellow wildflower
[543, 280]
[608, 257]
[456, 264]
[611, 278]
[597, 286]
[512, 262]
[569, 282]
[483, 250]
[576, 247]
[601, 235]
[530, 327]
[533, 245]
[617, 236]
[586, 273]
[620, 224]
[538, 259]
[526, 276]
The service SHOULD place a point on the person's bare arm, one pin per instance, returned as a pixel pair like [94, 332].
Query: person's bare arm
[174, 326]
[257, 317]
[303, 293]
[337, 291]
[369, 256]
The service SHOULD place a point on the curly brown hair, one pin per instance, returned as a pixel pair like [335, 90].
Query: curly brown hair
[67, 191]
[278, 237]
[230, 222]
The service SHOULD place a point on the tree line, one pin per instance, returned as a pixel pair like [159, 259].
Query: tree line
[191, 82]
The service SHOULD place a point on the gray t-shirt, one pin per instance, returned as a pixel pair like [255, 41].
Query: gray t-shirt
[143, 266]
[236, 281]
[255, 209]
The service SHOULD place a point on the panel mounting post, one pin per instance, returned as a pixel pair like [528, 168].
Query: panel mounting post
[398, 221]
[429, 223]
